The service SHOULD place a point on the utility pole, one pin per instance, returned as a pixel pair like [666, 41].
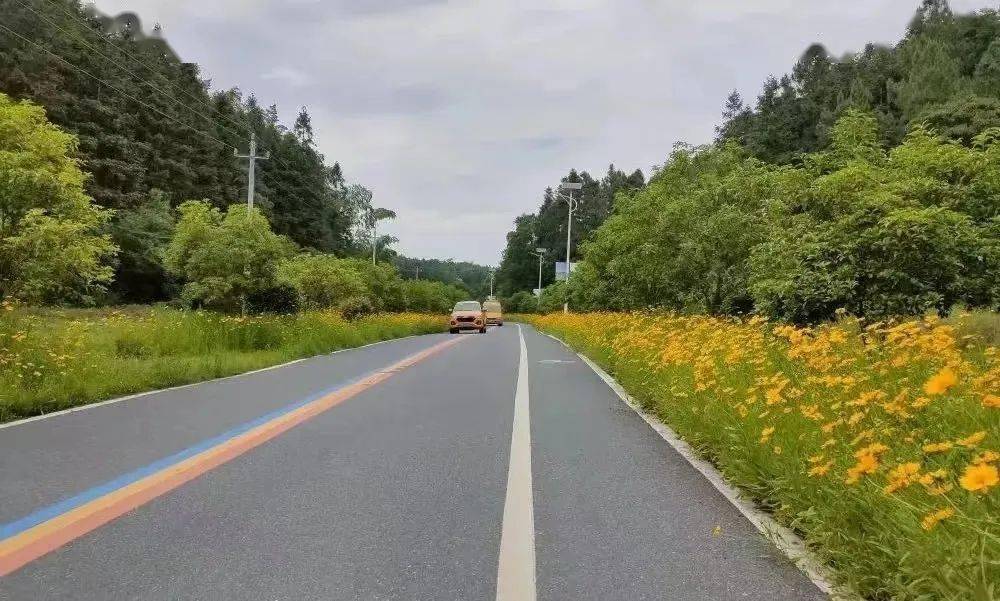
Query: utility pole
[492, 274]
[418, 272]
[374, 236]
[569, 228]
[252, 171]
[540, 253]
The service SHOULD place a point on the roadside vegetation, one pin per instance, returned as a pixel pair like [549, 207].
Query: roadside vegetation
[52, 359]
[867, 183]
[241, 295]
[878, 442]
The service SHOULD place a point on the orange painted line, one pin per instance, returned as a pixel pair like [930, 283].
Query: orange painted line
[29, 545]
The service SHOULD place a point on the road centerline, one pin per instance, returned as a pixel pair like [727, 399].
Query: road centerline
[49, 528]
[516, 565]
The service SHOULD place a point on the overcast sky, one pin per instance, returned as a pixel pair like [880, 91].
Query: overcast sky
[458, 114]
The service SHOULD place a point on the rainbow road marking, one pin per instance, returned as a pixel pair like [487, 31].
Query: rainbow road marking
[25, 540]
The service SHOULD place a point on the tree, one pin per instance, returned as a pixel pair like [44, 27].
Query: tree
[962, 118]
[519, 268]
[142, 234]
[882, 234]
[224, 259]
[51, 248]
[931, 14]
[987, 74]
[933, 77]
[303, 127]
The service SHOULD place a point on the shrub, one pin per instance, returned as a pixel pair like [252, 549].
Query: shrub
[224, 258]
[322, 281]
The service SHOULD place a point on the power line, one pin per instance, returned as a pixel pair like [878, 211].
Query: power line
[112, 86]
[289, 171]
[75, 16]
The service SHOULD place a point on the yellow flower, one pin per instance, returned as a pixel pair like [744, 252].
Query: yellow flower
[866, 464]
[902, 476]
[931, 519]
[937, 447]
[940, 382]
[991, 401]
[777, 450]
[873, 449]
[986, 457]
[821, 470]
[979, 477]
[972, 440]
[765, 435]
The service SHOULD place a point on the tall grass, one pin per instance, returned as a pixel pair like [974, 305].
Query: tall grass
[877, 442]
[54, 359]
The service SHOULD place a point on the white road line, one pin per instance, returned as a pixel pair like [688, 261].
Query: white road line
[516, 569]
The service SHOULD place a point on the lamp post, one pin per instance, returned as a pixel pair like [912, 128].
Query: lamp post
[571, 202]
[540, 253]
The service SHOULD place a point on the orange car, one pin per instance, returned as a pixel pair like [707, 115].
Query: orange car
[494, 313]
[467, 315]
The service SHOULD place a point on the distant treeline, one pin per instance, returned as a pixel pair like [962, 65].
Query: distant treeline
[869, 184]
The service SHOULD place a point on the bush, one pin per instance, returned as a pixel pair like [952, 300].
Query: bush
[322, 281]
[426, 296]
[357, 307]
[521, 302]
[282, 299]
[225, 258]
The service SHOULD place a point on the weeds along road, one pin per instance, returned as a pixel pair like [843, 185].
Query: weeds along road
[435, 467]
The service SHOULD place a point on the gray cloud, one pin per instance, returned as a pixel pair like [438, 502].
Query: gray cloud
[458, 114]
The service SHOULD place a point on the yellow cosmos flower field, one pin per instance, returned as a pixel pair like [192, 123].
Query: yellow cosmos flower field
[878, 443]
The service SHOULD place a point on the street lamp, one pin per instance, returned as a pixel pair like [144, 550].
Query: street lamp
[540, 253]
[570, 186]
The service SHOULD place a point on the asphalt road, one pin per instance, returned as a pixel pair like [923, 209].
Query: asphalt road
[392, 481]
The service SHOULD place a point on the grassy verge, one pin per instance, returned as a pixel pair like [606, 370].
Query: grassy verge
[54, 359]
[878, 443]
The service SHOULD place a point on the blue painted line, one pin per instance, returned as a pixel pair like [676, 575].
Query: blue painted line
[47, 513]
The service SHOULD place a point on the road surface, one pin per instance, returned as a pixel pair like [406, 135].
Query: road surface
[435, 467]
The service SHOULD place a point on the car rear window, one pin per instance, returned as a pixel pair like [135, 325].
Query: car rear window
[493, 307]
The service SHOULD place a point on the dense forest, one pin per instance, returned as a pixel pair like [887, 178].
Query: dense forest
[148, 135]
[869, 183]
